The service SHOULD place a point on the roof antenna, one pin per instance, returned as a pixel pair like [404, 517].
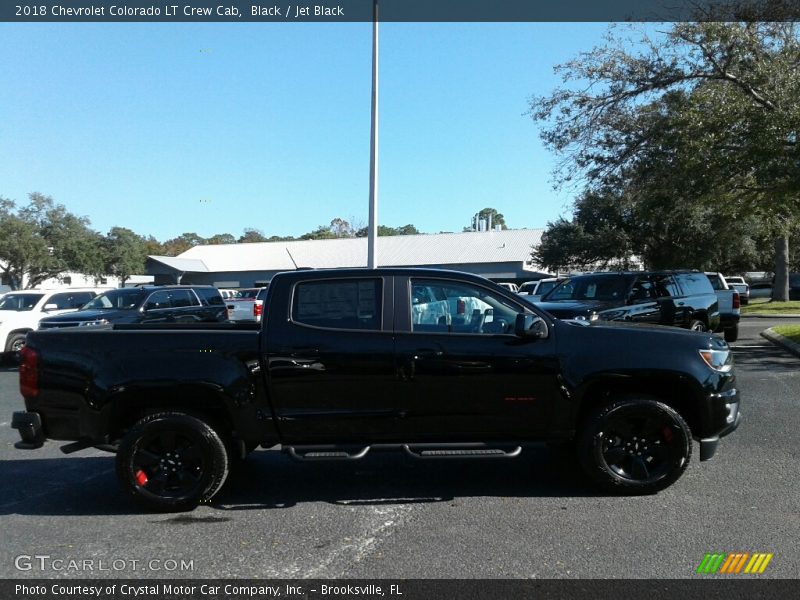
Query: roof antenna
[292, 257]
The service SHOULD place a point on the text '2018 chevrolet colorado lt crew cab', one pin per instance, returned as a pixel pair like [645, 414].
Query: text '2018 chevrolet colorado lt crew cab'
[432, 363]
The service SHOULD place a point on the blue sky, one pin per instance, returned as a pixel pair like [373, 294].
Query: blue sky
[212, 128]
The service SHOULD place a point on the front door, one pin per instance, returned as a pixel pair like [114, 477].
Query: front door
[463, 372]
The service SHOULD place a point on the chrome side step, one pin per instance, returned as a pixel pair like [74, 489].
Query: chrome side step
[326, 452]
[477, 450]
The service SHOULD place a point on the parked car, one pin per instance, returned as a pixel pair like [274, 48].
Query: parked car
[794, 286]
[761, 290]
[147, 304]
[473, 372]
[740, 285]
[511, 287]
[532, 291]
[248, 306]
[680, 298]
[21, 311]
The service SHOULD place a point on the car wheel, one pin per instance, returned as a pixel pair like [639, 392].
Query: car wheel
[635, 446]
[172, 461]
[732, 334]
[15, 342]
[697, 325]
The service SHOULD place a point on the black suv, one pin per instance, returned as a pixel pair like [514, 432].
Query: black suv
[679, 298]
[148, 304]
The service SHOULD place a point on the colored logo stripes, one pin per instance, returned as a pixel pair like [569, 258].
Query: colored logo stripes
[734, 563]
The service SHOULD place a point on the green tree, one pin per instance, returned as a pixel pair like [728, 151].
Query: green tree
[385, 230]
[126, 253]
[42, 240]
[221, 238]
[719, 99]
[182, 243]
[252, 236]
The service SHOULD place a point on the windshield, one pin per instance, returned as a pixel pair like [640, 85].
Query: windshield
[19, 302]
[590, 287]
[545, 287]
[126, 299]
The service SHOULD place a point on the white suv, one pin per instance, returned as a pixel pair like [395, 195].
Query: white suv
[21, 311]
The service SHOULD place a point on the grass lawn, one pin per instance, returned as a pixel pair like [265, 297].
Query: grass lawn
[789, 331]
[777, 308]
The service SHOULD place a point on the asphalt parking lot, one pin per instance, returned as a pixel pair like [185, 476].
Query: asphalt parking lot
[389, 517]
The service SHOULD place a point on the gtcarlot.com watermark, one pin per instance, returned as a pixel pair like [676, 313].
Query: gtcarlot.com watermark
[47, 563]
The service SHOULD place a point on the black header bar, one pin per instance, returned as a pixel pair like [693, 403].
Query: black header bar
[293, 11]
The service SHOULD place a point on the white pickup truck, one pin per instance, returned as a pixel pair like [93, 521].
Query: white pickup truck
[729, 304]
[247, 305]
[21, 311]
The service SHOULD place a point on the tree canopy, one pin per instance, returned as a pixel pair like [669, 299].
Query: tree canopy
[703, 117]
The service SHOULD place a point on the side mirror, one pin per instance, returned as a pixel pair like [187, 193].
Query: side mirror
[529, 325]
[49, 307]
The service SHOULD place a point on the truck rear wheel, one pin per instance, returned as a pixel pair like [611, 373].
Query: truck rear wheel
[171, 461]
[732, 334]
[635, 445]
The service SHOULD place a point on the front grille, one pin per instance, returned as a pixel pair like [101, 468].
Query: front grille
[60, 324]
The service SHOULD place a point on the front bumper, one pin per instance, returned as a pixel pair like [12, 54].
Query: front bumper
[725, 416]
[29, 425]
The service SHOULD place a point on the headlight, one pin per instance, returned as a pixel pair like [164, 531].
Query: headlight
[719, 360]
[97, 322]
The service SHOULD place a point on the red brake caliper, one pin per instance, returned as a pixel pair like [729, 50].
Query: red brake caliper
[141, 477]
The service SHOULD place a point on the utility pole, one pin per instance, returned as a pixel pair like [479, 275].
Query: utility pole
[372, 232]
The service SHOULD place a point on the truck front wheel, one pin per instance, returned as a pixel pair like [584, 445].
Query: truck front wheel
[171, 461]
[635, 445]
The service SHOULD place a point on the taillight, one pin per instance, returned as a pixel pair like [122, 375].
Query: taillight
[258, 309]
[28, 372]
[736, 300]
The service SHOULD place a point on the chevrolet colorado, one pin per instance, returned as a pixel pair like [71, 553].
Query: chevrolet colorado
[432, 363]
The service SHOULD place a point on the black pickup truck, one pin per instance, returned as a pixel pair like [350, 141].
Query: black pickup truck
[428, 362]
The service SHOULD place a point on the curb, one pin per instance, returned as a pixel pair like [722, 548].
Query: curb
[768, 316]
[779, 340]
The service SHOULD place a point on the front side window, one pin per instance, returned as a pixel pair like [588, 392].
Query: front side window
[456, 307]
[157, 301]
[338, 304]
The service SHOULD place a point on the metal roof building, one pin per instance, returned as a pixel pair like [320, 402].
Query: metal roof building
[502, 255]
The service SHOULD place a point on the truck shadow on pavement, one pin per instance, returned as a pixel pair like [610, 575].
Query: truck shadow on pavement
[271, 480]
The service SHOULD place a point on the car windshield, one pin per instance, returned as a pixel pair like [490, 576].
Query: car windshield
[125, 299]
[590, 287]
[19, 302]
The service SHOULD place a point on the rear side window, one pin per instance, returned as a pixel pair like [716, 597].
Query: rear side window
[183, 298]
[210, 296]
[695, 283]
[338, 304]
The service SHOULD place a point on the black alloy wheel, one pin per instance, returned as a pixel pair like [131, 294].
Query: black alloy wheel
[172, 461]
[636, 446]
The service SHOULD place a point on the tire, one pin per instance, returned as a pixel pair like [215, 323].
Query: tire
[635, 445]
[15, 342]
[697, 325]
[732, 334]
[171, 461]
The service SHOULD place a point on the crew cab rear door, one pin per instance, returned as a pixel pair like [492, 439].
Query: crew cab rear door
[330, 360]
[463, 372]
